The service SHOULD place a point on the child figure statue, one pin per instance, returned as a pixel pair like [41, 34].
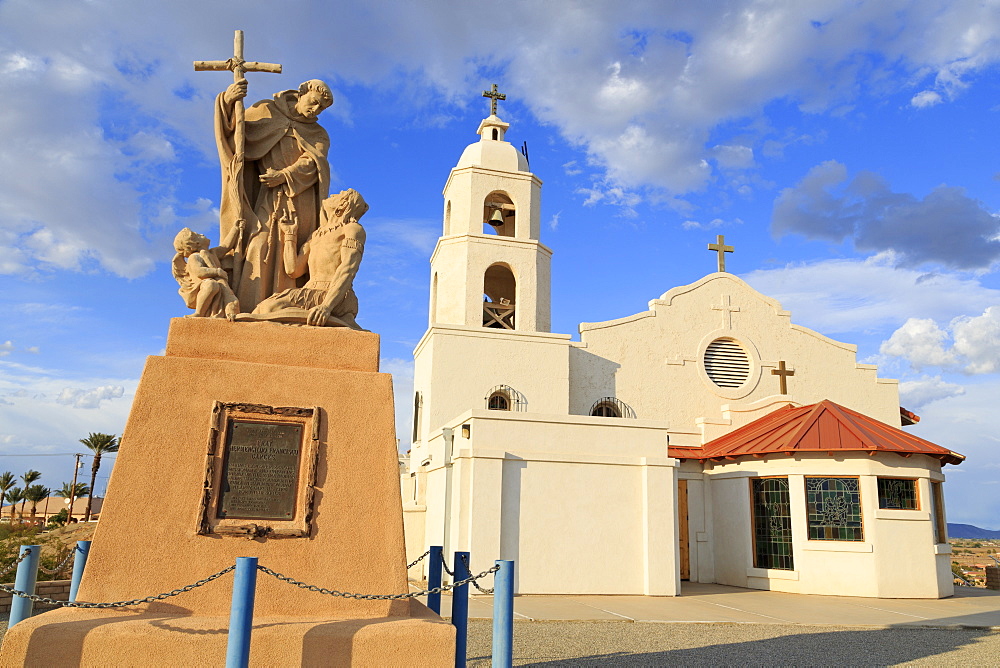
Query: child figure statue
[198, 270]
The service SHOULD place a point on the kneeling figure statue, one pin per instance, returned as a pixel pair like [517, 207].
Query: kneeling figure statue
[332, 256]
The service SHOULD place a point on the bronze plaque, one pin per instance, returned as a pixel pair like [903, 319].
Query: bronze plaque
[261, 470]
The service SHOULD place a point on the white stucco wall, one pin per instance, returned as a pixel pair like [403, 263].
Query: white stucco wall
[653, 361]
[583, 505]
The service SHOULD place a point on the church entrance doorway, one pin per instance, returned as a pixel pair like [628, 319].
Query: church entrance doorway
[682, 529]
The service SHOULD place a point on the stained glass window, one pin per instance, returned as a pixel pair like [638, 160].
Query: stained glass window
[897, 494]
[772, 524]
[834, 509]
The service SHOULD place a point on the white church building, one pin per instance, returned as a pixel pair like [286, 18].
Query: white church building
[707, 439]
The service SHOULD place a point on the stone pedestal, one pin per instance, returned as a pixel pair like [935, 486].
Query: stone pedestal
[152, 535]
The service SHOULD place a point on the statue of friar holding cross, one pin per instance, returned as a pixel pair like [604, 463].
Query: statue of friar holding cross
[274, 170]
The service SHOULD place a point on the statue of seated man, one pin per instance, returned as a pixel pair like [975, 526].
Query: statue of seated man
[332, 256]
[203, 282]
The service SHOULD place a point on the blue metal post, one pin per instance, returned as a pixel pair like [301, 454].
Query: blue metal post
[434, 577]
[503, 615]
[79, 563]
[241, 613]
[460, 609]
[27, 574]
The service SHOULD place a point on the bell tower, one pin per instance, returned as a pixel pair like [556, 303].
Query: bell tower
[489, 268]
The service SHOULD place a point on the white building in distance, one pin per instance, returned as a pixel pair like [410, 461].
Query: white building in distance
[707, 439]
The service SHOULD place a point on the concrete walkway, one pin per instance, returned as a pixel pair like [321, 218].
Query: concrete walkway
[710, 603]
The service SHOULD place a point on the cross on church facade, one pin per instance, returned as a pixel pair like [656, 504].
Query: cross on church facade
[727, 311]
[494, 96]
[721, 248]
[782, 373]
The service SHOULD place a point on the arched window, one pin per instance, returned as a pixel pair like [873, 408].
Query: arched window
[499, 291]
[434, 299]
[498, 401]
[496, 134]
[611, 407]
[499, 215]
[505, 398]
[447, 218]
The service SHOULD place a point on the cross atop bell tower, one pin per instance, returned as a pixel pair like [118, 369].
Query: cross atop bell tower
[494, 96]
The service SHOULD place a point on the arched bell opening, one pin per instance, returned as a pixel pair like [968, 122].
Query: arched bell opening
[434, 298]
[499, 290]
[499, 215]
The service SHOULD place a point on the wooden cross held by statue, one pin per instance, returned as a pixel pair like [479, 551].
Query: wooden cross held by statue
[721, 248]
[239, 68]
[494, 96]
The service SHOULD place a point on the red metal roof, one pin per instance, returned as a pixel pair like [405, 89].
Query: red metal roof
[823, 427]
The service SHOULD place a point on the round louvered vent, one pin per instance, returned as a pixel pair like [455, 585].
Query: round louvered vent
[726, 363]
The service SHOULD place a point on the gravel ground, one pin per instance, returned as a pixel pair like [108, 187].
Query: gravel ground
[650, 644]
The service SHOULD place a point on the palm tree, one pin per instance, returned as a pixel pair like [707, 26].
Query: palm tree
[99, 444]
[29, 477]
[13, 495]
[67, 492]
[34, 495]
[6, 482]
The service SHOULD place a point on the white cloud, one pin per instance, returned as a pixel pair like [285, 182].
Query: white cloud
[710, 225]
[639, 87]
[977, 340]
[915, 394]
[966, 424]
[926, 98]
[733, 156]
[968, 344]
[838, 296]
[554, 220]
[91, 398]
[6, 347]
[920, 341]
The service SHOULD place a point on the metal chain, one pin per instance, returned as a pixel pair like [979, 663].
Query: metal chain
[445, 565]
[468, 569]
[13, 565]
[375, 597]
[417, 560]
[60, 567]
[119, 604]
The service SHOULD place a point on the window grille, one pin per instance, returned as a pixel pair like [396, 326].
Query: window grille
[505, 398]
[611, 407]
[772, 524]
[726, 363]
[897, 494]
[834, 509]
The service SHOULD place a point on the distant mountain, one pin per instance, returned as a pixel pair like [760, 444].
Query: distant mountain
[970, 531]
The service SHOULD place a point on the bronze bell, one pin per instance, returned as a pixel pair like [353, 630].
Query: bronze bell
[496, 218]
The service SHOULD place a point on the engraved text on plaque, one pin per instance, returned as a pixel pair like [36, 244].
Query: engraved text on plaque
[261, 470]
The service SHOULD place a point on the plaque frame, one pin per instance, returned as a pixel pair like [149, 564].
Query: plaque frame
[301, 524]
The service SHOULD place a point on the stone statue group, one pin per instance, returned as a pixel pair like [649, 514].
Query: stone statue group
[288, 250]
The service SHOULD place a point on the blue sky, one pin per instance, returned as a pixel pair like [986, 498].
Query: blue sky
[847, 149]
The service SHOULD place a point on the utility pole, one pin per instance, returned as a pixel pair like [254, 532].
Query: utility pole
[72, 495]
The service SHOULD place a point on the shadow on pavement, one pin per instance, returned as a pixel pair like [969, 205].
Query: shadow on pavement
[715, 645]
